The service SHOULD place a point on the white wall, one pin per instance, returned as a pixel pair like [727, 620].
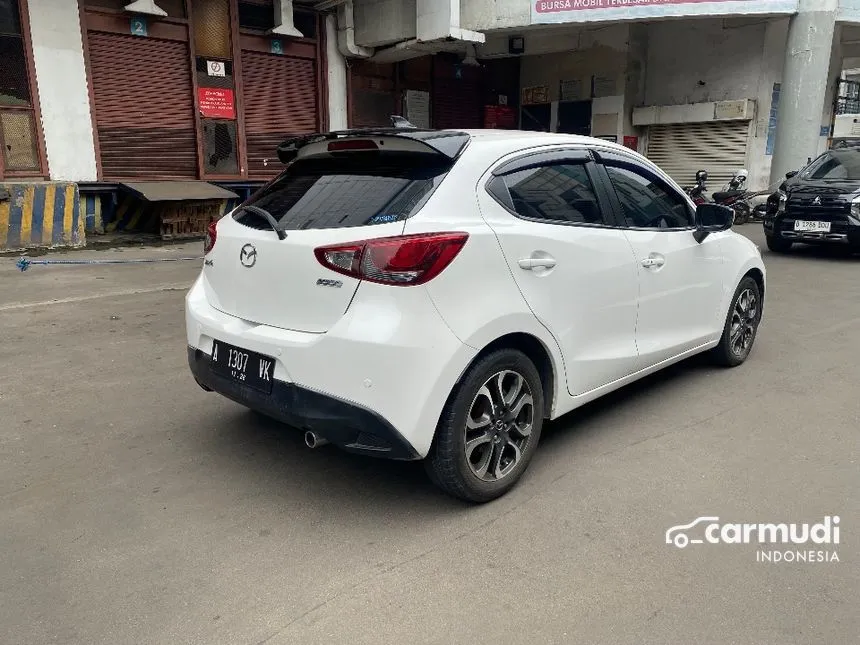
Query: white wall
[574, 55]
[483, 15]
[703, 60]
[62, 80]
[683, 53]
[384, 22]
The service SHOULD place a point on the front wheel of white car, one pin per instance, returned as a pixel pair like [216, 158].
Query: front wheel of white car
[741, 325]
[489, 429]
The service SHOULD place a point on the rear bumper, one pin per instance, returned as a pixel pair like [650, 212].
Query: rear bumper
[386, 368]
[346, 425]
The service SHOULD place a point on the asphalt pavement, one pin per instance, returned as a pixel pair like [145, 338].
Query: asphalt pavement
[136, 508]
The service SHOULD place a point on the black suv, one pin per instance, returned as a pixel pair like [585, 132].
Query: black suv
[819, 204]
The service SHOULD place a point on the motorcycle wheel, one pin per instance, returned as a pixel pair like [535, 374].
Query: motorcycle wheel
[742, 213]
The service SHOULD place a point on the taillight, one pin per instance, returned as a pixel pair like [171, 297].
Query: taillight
[211, 236]
[403, 260]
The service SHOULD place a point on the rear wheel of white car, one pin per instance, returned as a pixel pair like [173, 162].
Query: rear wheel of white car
[741, 325]
[489, 429]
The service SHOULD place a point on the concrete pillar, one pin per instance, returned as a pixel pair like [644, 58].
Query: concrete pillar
[760, 155]
[832, 88]
[806, 75]
[634, 79]
[58, 52]
[337, 105]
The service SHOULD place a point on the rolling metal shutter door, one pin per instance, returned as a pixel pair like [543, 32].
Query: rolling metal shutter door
[280, 101]
[373, 94]
[681, 149]
[457, 104]
[144, 104]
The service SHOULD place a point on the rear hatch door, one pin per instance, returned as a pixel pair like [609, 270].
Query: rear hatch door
[262, 267]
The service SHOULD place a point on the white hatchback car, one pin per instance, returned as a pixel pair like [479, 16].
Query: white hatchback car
[437, 295]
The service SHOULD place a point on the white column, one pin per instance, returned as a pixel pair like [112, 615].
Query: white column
[832, 87]
[336, 79]
[806, 77]
[55, 31]
[634, 84]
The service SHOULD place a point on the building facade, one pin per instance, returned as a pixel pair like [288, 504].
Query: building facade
[118, 115]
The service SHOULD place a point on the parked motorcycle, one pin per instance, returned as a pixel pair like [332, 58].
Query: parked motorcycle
[698, 193]
[736, 196]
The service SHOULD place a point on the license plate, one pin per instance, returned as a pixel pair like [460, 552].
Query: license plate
[815, 227]
[246, 367]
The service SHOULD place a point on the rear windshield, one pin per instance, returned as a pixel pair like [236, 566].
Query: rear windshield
[835, 165]
[358, 190]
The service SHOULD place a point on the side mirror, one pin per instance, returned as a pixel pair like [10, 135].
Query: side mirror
[712, 218]
[790, 174]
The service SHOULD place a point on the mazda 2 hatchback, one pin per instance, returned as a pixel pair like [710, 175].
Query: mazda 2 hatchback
[438, 295]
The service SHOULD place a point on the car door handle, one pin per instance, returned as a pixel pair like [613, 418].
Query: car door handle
[535, 263]
[653, 262]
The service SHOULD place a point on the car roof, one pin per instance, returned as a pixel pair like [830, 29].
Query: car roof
[520, 139]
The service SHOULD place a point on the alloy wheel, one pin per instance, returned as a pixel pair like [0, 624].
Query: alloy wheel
[499, 425]
[743, 324]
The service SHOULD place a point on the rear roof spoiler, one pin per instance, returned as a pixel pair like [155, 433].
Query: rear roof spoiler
[449, 143]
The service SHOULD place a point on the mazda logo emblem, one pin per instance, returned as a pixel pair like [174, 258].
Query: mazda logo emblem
[248, 256]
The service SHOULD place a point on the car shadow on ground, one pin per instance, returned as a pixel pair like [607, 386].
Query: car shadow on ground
[816, 252]
[591, 418]
[271, 458]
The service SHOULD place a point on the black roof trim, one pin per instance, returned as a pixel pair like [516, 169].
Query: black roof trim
[449, 143]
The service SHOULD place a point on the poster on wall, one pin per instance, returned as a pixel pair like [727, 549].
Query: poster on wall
[418, 108]
[535, 95]
[561, 11]
[771, 125]
[603, 86]
[570, 90]
[216, 68]
[216, 103]
[500, 117]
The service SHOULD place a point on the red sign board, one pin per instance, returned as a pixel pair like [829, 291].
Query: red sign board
[216, 103]
[500, 116]
[555, 6]
[631, 142]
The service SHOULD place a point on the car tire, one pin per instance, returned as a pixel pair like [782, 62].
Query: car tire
[499, 449]
[777, 245]
[741, 326]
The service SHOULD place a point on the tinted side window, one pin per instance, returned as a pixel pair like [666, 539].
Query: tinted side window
[647, 204]
[558, 192]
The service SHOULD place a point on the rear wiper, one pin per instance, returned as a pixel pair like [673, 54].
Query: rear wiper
[268, 217]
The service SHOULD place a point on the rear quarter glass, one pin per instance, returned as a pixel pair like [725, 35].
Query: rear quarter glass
[352, 190]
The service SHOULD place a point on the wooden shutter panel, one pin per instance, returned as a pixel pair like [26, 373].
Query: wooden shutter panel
[144, 107]
[457, 102]
[373, 94]
[280, 101]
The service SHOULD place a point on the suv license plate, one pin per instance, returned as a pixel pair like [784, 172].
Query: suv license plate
[813, 227]
[243, 366]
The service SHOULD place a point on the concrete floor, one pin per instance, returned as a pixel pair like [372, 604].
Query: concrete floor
[135, 508]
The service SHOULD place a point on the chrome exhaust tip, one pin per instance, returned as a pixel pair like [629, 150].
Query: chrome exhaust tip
[313, 440]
